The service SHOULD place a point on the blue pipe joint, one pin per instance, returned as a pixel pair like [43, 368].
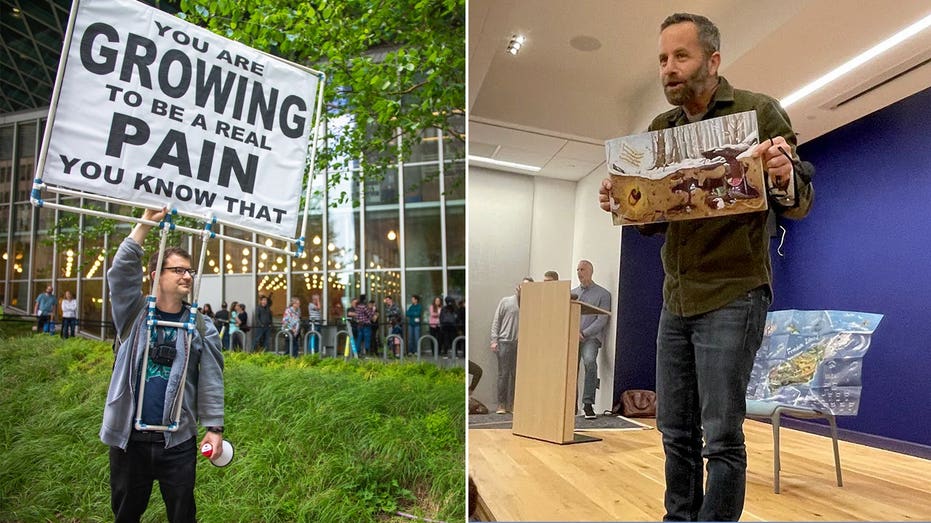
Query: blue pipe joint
[209, 228]
[150, 300]
[168, 220]
[300, 246]
[37, 193]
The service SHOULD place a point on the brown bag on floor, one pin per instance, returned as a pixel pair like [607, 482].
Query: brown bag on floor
[638, 403]
[477, 407]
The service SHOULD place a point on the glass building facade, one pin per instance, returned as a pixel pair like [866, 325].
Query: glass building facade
[404, 235]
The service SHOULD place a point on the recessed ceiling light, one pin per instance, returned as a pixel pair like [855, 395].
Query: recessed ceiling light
[858, 61]
[517, 41]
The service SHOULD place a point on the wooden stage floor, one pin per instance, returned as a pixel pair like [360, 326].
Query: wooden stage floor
[621, 479]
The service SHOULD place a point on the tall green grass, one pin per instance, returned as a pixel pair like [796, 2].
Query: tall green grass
[316, 440]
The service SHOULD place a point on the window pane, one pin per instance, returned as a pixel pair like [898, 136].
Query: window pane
[421, 184]
[427, 150]
[422, 239]
[383, 190]
[6, 163]
[381, 238]
[90, 307]
[456, 280]
[453, 145]
[343, 288]
[236, 258]
[455, 233]
[4, 255]
[426, 284]
[26, 164]
[19, 290]
[44, 262]
[454, 181]
[93, 262]
[22, 239]
[68, 226]
[343, 245]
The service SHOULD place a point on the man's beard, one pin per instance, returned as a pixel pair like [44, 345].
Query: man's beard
[690, 89]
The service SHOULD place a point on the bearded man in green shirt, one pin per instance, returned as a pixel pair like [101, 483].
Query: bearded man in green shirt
[717, 286]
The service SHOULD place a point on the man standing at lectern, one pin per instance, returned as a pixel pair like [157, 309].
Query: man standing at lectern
[592, 332]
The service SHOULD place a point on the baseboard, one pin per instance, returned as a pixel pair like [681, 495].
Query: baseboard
[871, 440]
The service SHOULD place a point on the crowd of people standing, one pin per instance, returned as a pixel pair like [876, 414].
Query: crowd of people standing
[393, 328]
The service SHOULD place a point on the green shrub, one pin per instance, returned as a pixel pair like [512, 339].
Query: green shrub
[316, 439]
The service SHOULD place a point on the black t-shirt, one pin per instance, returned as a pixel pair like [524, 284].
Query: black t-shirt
[156, 376]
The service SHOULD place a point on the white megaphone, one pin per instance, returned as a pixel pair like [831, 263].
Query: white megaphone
[225, 457]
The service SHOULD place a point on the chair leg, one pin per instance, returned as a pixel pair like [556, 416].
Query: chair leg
[776, 465]
[833, 422]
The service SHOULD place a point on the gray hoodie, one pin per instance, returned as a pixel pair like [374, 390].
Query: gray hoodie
[203, 391]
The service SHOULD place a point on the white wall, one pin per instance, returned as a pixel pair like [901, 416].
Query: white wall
[520, 226]
[597, 240]
[499, 218]
[553, 228]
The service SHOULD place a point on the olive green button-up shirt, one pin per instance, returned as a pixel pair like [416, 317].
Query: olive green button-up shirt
[710, 262]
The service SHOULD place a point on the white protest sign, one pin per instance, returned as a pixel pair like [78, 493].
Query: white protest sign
[155, 110]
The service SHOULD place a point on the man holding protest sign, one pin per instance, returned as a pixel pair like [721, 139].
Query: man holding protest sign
[137, 458]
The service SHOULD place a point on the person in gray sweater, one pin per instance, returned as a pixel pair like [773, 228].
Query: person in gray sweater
[138, 456]
[504, 344]
[592, 335]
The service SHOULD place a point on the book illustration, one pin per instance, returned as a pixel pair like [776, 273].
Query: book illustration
[698, 170]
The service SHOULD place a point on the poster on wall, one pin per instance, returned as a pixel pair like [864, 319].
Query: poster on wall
[154, 110]
[700, 170]
[813, 359]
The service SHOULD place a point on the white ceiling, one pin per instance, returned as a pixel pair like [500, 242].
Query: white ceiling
[554, 105]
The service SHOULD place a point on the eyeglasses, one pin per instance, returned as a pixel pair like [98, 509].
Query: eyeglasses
[181, 270]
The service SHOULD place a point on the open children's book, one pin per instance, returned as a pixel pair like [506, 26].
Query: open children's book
[699, 170]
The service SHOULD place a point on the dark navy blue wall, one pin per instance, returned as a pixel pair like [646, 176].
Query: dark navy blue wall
[866, 245]
[640, 299]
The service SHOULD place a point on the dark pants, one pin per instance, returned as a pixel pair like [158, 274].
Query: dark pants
[449, 334]
[260, 338]
[132, 472]
[703, 364]
[294, 343]
[43, 319]
[67, 327]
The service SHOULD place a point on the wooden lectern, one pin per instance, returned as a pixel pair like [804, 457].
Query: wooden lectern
[548, 362]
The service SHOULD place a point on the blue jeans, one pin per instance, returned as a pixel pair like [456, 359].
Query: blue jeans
[507, 370]
[413, 336]
[588, 355]
[67, 327]
[703, 364]
[364, 339]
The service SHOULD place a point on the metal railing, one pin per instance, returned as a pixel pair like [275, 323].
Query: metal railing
[313, 343]
[433, 341]
[287, 335]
